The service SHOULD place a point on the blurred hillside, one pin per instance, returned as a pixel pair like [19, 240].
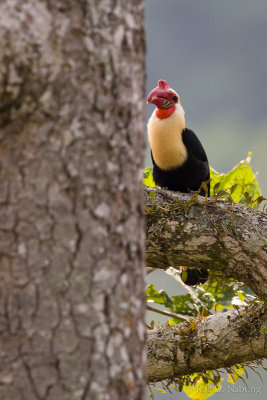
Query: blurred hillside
[214, 53]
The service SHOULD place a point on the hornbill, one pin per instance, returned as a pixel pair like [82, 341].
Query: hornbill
[179, 161]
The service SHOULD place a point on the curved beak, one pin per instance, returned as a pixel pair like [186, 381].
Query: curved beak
[157, 97]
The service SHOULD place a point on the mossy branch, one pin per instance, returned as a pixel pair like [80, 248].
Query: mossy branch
[195, 232]
[219, 341]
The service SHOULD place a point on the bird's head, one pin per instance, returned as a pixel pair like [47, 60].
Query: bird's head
[164, 98]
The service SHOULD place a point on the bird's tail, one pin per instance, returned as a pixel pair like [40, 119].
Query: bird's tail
[194, 277]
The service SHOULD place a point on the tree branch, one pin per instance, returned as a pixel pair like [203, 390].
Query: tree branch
[167, 314]
[219, 341]
[207, 233]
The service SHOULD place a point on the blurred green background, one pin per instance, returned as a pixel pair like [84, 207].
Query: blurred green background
[214, 54]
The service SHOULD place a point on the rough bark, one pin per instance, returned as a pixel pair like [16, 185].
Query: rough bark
[71, 223]
[212, 234]
[219, 341]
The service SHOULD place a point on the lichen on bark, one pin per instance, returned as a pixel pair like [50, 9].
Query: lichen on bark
[207, 233]
[212, 343]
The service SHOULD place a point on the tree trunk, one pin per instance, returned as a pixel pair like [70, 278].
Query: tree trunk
[71, 220]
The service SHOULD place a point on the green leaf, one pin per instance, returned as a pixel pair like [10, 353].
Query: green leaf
[237, 372]
[152, 195]
[148, 178]
[184, 275]
[241, 296]
[233, 188]
[205, 187]
[219, 307]
[159, 390]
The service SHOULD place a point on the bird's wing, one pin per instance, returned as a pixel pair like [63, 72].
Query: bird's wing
[152, 158]
[194, 145]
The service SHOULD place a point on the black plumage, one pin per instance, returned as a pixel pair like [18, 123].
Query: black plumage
[189, 176]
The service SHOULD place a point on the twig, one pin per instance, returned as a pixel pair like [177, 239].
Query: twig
[149, 270]
[168, 314]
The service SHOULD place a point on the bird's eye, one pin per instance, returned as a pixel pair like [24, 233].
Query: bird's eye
[175, 99]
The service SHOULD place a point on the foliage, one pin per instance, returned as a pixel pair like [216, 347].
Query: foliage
[183, 304]
[202, 389]
[238, 185]
[148, 178]
[215, 295]
[200, 386]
